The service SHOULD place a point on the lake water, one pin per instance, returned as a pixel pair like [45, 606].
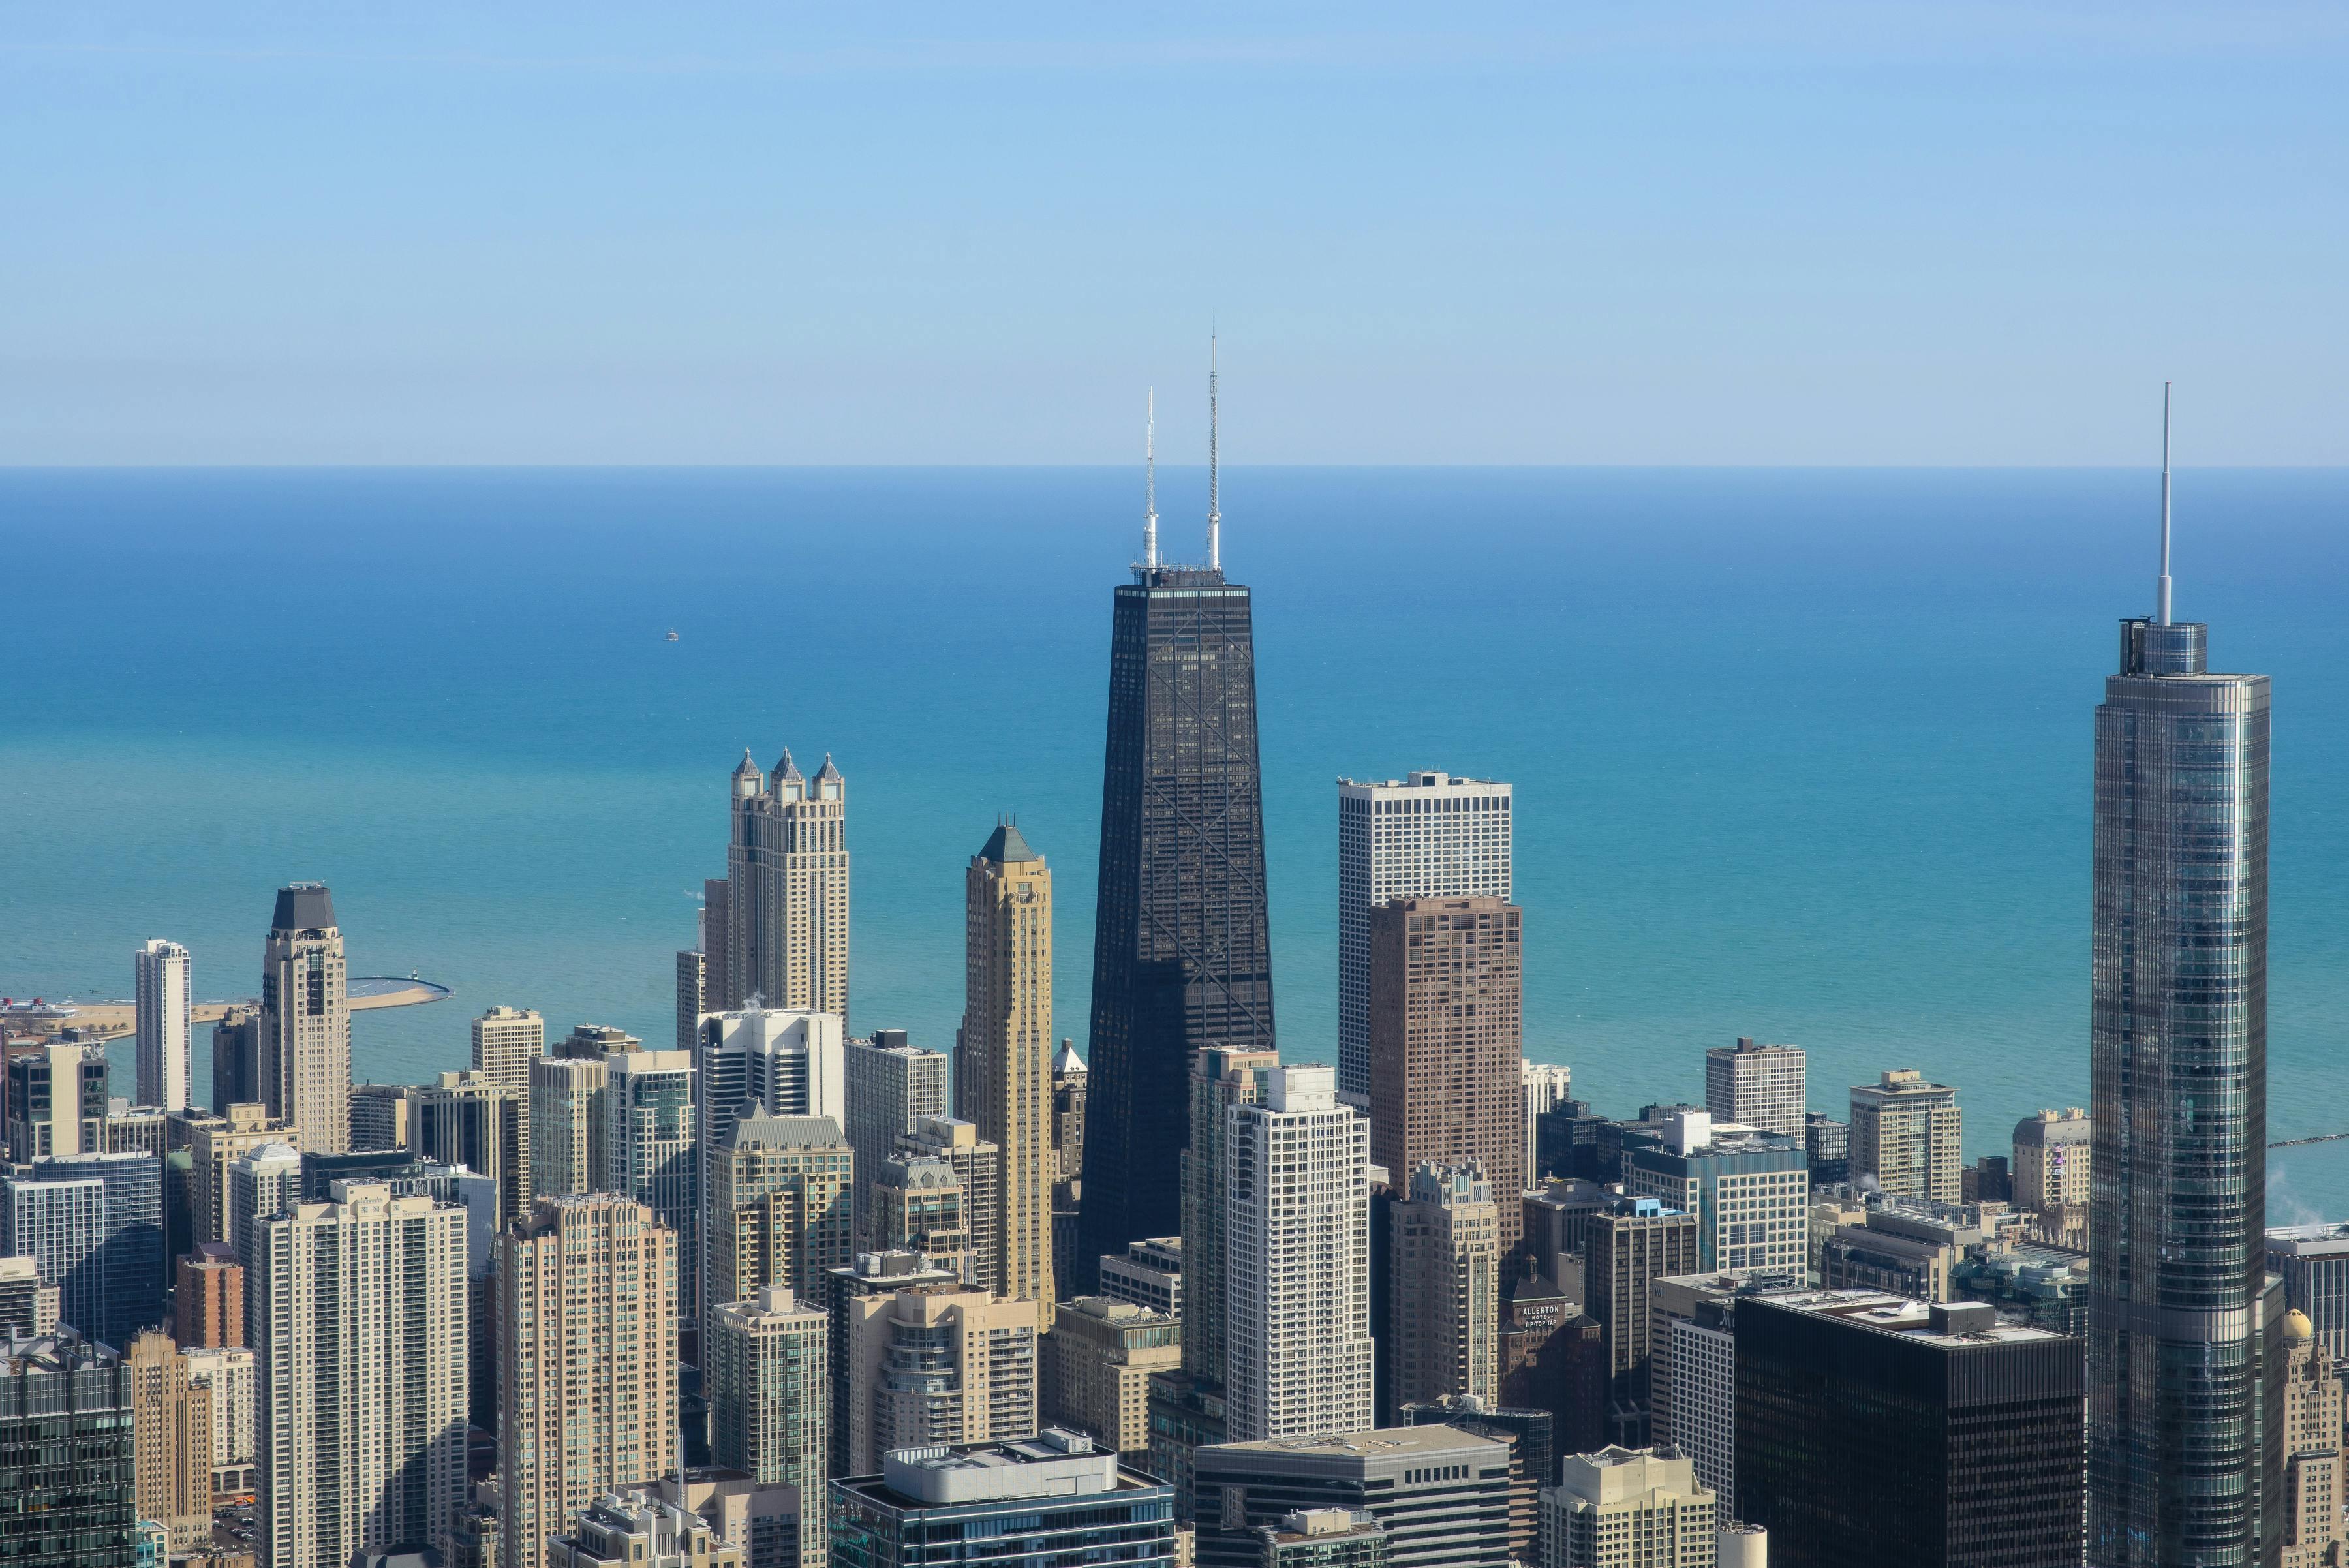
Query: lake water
[1803, 755]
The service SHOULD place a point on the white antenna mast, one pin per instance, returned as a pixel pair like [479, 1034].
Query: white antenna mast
[1215, 512]
[1150, 467]
[2162, 596]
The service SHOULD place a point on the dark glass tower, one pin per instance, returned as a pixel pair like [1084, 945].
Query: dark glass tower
[1182, 951]
[2178, 1455]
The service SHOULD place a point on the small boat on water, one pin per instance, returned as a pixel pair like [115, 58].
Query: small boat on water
[672, 635]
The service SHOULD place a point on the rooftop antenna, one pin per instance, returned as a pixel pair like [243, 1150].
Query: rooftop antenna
[1215, 512]
[2162, 607]
[1150, 467]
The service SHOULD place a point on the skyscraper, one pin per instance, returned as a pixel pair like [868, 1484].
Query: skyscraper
[95, 1224]
[1298, 1256]
[2310, 1523]
[1005, 1048]
[889, 1085]
[1547, 1086]
[1429, 835]
[163, 1028]
[771, 1398]
[360, 1314]
[977, 1164]
[216, 1147]
[1757, 1085]
[779, 1209]
[1444, 1318]
[472, 1119]
[306, 1018]
[926, 1365]
[587, 1309]
[1630, 1508]
[506, 1041]
[208, 1306]
[1447, 1041]
[1181, 947]
[568, 1116]
[1907, 1135]
[787, 889]
[173, 1430]
[237, 1077]
[65, 1453]
[56, 1101]
[648, 1150]
[2178, 1087]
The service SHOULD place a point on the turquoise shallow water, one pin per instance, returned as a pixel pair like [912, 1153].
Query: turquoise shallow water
[1801, 754]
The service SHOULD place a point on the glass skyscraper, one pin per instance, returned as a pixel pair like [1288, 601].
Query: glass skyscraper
[1181, 955]
[2177, 1459]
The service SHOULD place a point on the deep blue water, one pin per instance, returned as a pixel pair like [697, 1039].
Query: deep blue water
[1802, 754]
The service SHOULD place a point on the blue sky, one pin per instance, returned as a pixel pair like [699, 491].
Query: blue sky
[1579, 233]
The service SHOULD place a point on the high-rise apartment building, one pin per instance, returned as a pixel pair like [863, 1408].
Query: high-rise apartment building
[1874, 1430]
[1447, 1040]
[472, 1119]
[594, 1042]
[1630, 1508]
[1182, 944]
[1443, 1304]
[2053, 1153]
[1149, 1274]
[379, 1117]
[1221, 1079]
[506, 1041]
[171, 1429]
[361, 1329]
[29, 1305]
[56, 1101]
[1069, 1080]
[165, 1034]
[2177, 1091]
[918, 1206]
[779, 1209]
[66, 1453]
[856, 1295]
[1038, 1501]
[889, 1083]
[648, 1149]
[306, 1018]
[978, 1165]
[1548, 1086]
[1907, 1137]
[786, 910]
[1750, 1190]
[263, 1183]
[1430, 835]
[95, 1224]
[229, 1375]
[1757, 1085]
[769, 1393]
[926, 1365]
[1626, 1248]
[208, 1306]
[569, 1125]
[1297, 1234]
[693, 996]
[213, 1147]
[1005, 1049]
[767, 1061]
[1098, 1359]
[587, 1309]
[2310, 1526]
[237, 1077]
[1442, 1493]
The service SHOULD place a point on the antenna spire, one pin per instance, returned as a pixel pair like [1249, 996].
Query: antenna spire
[1215, 510]
[1150, 468]
[2162, 595]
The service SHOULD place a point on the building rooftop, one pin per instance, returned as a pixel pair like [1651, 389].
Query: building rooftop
[1005, 845]
[1053, 1464]
[785, 1132]
[1952, 1325]
[1381, 1443]
[2329, 1237]
[304, 907]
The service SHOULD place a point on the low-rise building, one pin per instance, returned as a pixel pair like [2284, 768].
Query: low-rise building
[641, 1532]
[1629, 1507]
[1149, 1274]
[1443, 1494]
[1324, 1538]
[1096, 1364]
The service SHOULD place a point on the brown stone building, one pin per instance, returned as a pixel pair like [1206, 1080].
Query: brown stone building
[1448, 1041]
[208, 1307]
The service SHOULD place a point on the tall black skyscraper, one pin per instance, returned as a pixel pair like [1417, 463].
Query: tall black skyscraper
[1181, 953]
[2177, 1460]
